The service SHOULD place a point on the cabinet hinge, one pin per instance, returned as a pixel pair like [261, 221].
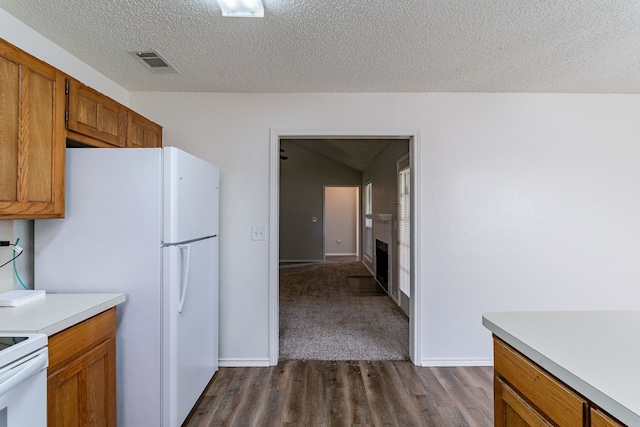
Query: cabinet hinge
[66, 116]
[66, 87]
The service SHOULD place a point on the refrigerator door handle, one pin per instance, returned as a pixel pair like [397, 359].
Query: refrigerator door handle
[185, 251]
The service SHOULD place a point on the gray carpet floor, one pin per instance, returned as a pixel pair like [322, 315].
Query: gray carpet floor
[321, 319]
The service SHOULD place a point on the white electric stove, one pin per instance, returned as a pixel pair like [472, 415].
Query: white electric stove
[23, 380]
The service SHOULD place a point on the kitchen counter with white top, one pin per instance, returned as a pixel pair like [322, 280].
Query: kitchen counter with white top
[81, 346]
[596, 353]
[55, 312]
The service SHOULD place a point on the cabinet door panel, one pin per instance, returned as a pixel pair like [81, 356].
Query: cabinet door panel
[511, 410]
[142, 132]
[95, 118]
[557, 402]
[40, 138]
[64, 410]
[600, 419]
[83, 392]
[9, 111]
[32, 137]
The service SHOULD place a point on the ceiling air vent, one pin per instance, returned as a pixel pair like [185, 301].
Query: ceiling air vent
[154, 62]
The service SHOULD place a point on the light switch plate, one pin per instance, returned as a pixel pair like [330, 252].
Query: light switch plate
[257, 233]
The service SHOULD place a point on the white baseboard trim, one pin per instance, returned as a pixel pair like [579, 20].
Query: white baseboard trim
[349, 254]
[243, 363]
[436, 363]
[373, 273]
[301, 260]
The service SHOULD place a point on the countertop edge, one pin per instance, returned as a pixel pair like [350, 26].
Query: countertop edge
[83, 315]
[603, 401]
[56, 312]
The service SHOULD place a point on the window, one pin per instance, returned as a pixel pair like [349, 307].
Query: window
[368, 222]
[404, 227]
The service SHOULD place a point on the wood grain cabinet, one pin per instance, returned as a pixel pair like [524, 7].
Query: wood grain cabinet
[527, 395]
[32, 136]
[81, 385]
[41, 112]
[142, 132]
[600, 419]
[94, 119]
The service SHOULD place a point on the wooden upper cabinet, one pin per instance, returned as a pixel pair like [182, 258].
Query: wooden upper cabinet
[93, 118]
[142, 132]
[32, 136]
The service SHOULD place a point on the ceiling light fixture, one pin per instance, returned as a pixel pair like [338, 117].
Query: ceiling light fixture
[242, 8]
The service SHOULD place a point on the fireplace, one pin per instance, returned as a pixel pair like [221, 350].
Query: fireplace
[382, 264]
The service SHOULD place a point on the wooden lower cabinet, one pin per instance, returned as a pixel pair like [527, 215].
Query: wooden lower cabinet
[600, 419]
[81, 385]
[526, 395]
[513, 410]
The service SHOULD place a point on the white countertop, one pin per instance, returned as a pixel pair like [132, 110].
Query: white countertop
[55, 312]
[597, 353]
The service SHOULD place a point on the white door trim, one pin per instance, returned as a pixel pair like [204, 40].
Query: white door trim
[415, 317]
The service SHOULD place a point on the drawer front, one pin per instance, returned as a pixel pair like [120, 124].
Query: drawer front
[600, 419]
[76, 340]
[512, 410]
[560, 404]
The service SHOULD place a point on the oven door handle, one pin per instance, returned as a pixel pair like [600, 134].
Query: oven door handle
[20, 371]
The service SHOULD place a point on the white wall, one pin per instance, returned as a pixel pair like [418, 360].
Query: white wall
[341, 220]
[6, 253]
[529, 201]
[302, 179]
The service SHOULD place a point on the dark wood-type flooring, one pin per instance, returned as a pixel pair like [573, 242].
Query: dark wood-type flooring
[345, 393]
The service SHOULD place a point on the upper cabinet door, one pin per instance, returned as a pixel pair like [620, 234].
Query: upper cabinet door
[95, 119]
[142, 132]
[32, 136]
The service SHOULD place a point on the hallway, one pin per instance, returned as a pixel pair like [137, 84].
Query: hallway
[322, 318]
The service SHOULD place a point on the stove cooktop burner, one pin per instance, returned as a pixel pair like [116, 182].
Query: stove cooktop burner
[15, 346]
[6, 342]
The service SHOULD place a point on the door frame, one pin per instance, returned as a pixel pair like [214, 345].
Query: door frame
[415, 323]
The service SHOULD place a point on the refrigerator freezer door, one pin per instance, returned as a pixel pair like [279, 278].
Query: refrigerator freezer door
[190, 354]
[190, 197]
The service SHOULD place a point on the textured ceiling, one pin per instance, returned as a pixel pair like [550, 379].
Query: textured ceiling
[588, 46]
[354, 153]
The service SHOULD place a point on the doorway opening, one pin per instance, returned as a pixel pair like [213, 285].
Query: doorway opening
[280, 141]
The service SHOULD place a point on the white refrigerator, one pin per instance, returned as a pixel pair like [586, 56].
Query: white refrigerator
[143, 222]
